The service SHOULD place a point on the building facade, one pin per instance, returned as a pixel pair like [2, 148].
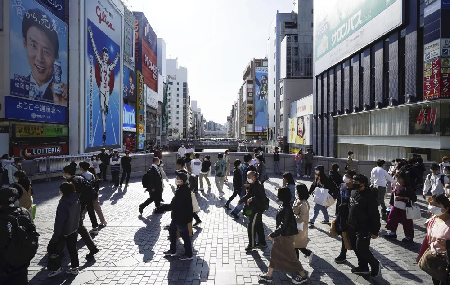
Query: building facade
[176, 102]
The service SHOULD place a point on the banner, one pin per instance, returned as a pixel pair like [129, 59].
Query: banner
[343, 27]
[24, 131]
[152, 97]
[129, 142]
[39, 64]
[129, 118]
[141, 110]
[129, 85]
[300, 130]
[103, 78]
[261, 97]
[30, 152]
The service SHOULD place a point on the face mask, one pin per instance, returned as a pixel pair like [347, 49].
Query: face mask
[356, 186]
[19, 164]
[437, 211]
[337, 170]
[178, 182]
[317, 172]
[346, 179]
[249, 180]
[447, 191]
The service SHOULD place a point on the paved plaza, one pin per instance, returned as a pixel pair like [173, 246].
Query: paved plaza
[131, 247]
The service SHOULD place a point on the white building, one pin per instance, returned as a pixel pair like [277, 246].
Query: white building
[176, 97]
[162, 79]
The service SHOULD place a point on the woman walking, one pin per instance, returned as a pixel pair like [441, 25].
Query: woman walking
[95, 163]
[321, 181]
[301, 214]
[65, 231]
[282, 255]
[288, 181]
[23, 186]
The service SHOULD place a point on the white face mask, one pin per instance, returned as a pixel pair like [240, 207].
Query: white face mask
[435, 210]
[346, 179]
[249, 180]
[178, 182]
[447, 190]
[317, 172]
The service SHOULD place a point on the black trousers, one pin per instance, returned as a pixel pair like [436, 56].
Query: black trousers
[255, 227]
[154, 197]
[71, 242]
[103, 171]
[125, 172]
[308, 168]
[17, 278]
[305, 251]
[85, 236]
[89, 204]
[361, 245]
[115, 177]
[235, 193]
[196, 217]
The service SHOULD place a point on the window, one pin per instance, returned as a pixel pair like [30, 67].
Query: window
[312, 11]
[274, 118]
[281, 118]
[178, 106]
[312, 25]
[274, 55]
[178, 118]
[281, 90]
[274, 106]
[178, 89]
[265, 63]
[178, 83]
[178, 112]
[178, 95]
[274, 93]
[177, 124]
[178, 100]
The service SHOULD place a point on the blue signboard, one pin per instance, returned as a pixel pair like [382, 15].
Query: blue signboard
[22, 109]
[57, 7]
[262, 88]
[129, 118]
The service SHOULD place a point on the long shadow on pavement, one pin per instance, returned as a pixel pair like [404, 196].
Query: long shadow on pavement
[146, 237]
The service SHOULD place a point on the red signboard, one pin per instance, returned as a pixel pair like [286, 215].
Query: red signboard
[431, 79]
[149, 66]
[34, 151]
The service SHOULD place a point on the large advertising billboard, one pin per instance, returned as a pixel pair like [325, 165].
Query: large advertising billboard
[343, 27]
[140, 109]
[152, 97]
[300, 131]
[129, 118]
[128, 48]
[129, 85]
[261, 97]
[103, 78]
[38, 69]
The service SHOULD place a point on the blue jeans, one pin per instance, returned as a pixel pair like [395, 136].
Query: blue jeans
[318, 208]
[299, 167]
[184, 234]
[276, 167]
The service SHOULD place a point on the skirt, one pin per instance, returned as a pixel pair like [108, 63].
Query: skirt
[283, 256]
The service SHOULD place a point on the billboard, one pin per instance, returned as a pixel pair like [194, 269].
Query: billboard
[140, 110]
[146, 46]
[129, 142]
[344, 27]
[102, 71]
[129, 118]
[38, 71]
[128, 43]
[152, 97]
[129, 85]
[25, 131]
[300, 130]
[56, 7]
[261, 97]
[34, 151]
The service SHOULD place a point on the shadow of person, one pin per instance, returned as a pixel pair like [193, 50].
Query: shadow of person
[146, 237]
[190, 271]
[118, 195]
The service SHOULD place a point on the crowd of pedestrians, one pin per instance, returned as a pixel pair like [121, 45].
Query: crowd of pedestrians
[360, 208]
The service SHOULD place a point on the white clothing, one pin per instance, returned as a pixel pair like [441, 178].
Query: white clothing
[254, 162]
[6, 162]
[182, 151]
[32, 94]
[190, 150]
[12, 168]
[442, 165]
[379, 177]
[434, 183]
[87, 175]
[96, 165]
[196, 166]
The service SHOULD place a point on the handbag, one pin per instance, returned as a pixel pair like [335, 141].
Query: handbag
[413, 212]
[333, 232]
[432, 263]
[195, 206]
[399, 204]
[346, 239]
[321, 196]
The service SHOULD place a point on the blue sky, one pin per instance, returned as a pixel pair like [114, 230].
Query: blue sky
[215, 40]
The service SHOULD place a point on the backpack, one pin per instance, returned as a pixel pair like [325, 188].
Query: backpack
[145, 180]
[23, 239]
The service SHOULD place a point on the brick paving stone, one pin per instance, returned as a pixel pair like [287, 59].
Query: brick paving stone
[131, 247]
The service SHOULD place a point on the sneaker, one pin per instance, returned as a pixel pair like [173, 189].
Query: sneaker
[340, 259]
[390, 236]
[200, 189]
[72, 271]
[376, 270]
[311, 225]
[249, 248]
[358, 270]
[102, 225]
[407, 239]
[266, 278]
[310, 257]
[141, 210]
[221, 196]
[261, 245]
[196, 224]
[325, 222]
[169, 253]
[299, 279]
[91, 254]
[186, 257]
[234, 215]
[226, 206]
[94, 231]
[54, 273]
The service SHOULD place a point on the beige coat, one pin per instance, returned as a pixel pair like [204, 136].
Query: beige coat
[301, 213]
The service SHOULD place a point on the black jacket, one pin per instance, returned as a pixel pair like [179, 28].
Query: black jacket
[276, 156]
[181, 206]
[67, 216]
[336, 179]
[85, 194]
[154, 182]
[104, 157]
[125, 162]
[363, 214]
[324, 183]
[237, 180]
[286, 223]
[206, 165]
[258, 195]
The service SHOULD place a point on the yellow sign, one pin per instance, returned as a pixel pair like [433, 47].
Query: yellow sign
[250, 113]
[29, 131]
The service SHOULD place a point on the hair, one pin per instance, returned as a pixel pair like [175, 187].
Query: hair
[444, 158]
[284, 195]
[227, 151]
[420, 159]
[197, 155]
[103, 149]
[321, 169]
[155, 159]
[131, 75]
[71, 169]
[350, 173]
[247, 157]
[237, 162]
[261, 158]
[67, 188]
[105, 50]
[302, 191]
[443, 200]
[334, 167]
[252, 173]
[20, 174]
[220, 155]
[5, 156]
[380, 162]
[289, 178]
[412, 160]
[183, 176]
[208, 157]
[277, 148]
[252, 168]
[350, 152]
[361, 179]
[181, 161]
[34, 20]
[434, 166]
[85, 165]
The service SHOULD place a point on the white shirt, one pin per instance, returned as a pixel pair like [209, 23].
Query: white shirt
[182, 151]
[87, 175]
[379, 177]
[196, 166]
[6, 162]
[190, 150]
[254, 162]
[433, 182]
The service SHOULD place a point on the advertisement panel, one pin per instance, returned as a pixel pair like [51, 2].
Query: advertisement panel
[292, 130]
[422, 119]
[30, 152]
[129, 85]
[250, 92]
[141, 110]
[56, 7]
[262, 88]
[344, 27]
[152, 97]
[128, 47]
[149, 66]
[103, 80]
[250, 114]
[24, 131]
[129, 141]
[431, 79]
[129, 118]
[39, 73]
[301, 130]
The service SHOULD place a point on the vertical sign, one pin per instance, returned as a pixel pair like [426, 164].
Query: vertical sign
[141, 110]
[262, 88]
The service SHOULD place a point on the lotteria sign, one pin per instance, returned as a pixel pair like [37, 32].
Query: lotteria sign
[30, 152]
[129, 118]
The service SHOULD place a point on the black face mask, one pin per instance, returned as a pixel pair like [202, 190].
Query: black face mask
[356, 186]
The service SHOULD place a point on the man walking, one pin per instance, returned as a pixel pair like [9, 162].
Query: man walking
[379, 178]
[104, 158]
[308, 163]
[221, 169]
[276, 161]
[154, 186]
[244, 168]
[126, 168]
[364, 225]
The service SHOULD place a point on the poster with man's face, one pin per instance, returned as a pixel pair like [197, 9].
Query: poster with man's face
[38, 63]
